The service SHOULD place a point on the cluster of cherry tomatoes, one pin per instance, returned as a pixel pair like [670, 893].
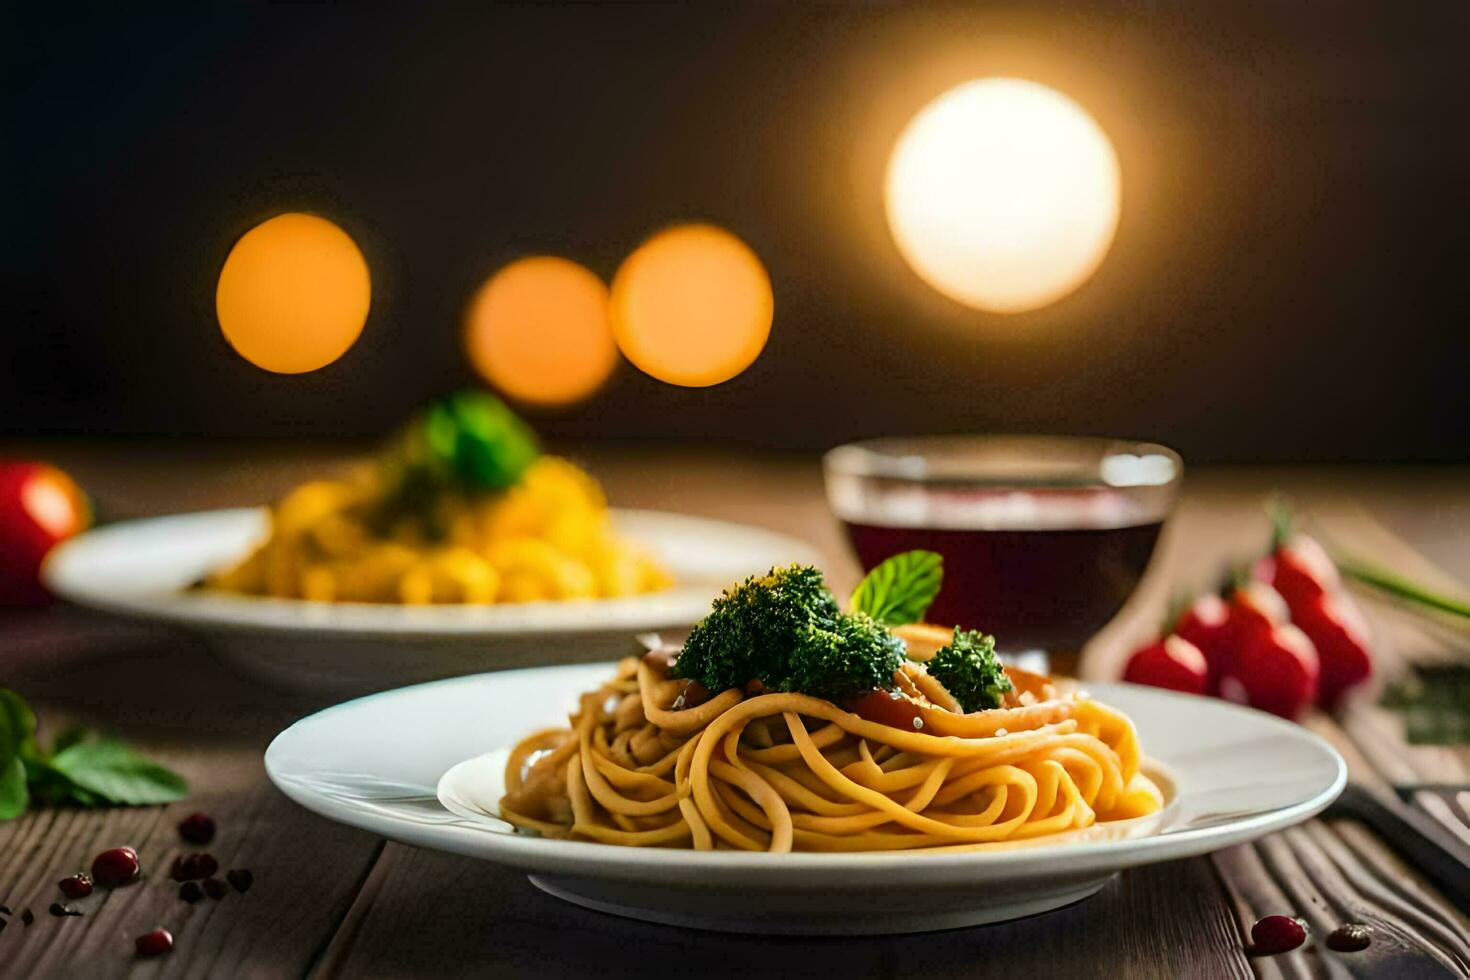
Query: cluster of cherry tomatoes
[1283, 639]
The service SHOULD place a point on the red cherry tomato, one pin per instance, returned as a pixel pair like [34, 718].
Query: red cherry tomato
[1300, 570]
[892, 708]
[1276, 670]
[1172, 663]
[39, 506]
[1206, 624]
[1340, 634]
[1255, 607]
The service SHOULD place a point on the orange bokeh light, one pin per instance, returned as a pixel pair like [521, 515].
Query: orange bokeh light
[692, 306]
[294, 293]
[538, 331]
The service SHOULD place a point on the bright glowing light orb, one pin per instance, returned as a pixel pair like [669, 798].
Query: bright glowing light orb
[293, 294]
[538, 330]
[1003, 194]
[692, 306]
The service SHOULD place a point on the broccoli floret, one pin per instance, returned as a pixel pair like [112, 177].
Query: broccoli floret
[784, 629]
[752, 627]
[852, 655]
[970, 671]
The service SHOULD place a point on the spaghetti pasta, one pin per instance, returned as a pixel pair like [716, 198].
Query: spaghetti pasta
[645, 762]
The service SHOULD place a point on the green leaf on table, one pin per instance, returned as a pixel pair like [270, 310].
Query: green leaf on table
[111, 771]
[17, 725]
[14, 797]
[71, 735]
[901, 589]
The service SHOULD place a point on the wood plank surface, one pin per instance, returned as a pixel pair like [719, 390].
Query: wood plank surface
[180, 706]
[336, 902]
[433, 914]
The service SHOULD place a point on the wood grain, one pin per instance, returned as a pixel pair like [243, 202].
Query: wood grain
[439, 915]
[177, 704]
[337, 902]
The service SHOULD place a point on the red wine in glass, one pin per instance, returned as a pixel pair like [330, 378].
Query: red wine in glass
[1034, 588]
[1041, 553]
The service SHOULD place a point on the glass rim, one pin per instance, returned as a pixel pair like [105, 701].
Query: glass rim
[1017, 460]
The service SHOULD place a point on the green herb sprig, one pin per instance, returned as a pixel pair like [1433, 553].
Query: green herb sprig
[80, 768]
[900, 589]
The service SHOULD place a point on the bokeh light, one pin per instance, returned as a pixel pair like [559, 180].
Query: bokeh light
[538, 331]
[1003, 194]
[293, 294]
[692, 306]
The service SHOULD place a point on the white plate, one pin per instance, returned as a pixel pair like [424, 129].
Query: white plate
[143, 569]
[392, 764]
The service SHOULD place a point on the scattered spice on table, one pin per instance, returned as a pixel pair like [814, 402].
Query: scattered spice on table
[197, 828]
[1273, 934]
[77, 886]
[241, 879]
[27, 917]
[190, 892]
[154, 943]
[192, 867]
[64, 911]
[115, 867]
[215, 888]
[1350, 937]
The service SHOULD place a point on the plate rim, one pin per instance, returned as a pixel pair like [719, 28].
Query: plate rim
[792, 870]
[220, 612]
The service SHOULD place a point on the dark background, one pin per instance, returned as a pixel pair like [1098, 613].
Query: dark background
[1288, 281]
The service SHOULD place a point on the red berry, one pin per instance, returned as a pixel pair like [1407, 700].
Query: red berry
[1276, 670]
[1172, 663]
[77, 886]
[118, 866]
[197, 828]
[1206, 624]
[1340, 634]
[1274, 934]
[154, 943]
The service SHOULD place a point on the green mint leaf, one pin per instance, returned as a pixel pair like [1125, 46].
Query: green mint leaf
[71, 735]
[14, 797]
[115, 773]
[901, 589]
[17, 725]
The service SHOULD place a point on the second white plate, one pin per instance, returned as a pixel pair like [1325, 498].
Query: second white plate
[143, 569]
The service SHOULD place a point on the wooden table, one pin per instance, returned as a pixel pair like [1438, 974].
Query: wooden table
[330, 901]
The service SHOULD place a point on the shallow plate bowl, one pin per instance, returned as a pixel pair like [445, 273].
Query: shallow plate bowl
[144, 569]
[410, 765]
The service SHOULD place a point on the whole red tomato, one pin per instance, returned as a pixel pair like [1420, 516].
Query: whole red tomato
[1172, 662]
[1206, 624]
[1275, 670]
[1300, 569]
[1255, 607]
[1340, 633]
[39, 506]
